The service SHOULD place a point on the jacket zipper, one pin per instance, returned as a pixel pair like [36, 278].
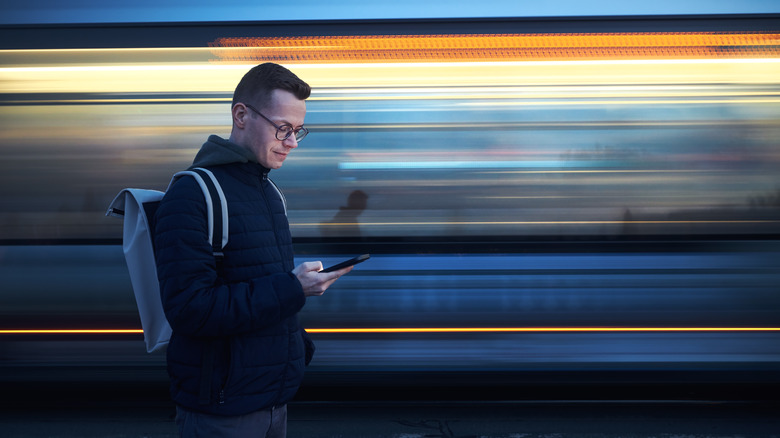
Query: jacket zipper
[270, 211]
[229, 373]
[276, 240]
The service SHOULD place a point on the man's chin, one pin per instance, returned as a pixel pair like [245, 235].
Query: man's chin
[273, 164]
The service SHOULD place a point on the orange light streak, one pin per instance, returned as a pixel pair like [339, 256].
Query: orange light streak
[367, 330]
[540, 329]
[498, 47]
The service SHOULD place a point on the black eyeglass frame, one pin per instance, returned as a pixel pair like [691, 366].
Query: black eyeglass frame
[300, 133]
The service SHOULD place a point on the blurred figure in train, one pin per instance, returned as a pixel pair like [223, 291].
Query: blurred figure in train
[237, 353]
[345, 222]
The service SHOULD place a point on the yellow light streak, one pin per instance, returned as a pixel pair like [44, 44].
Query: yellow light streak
[174, 67]
[518, 99]
[420, 330]
[122, 101]
[115, 68]
[627, 102]
[171, 78]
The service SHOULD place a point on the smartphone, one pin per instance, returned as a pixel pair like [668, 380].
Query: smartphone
[345, 263]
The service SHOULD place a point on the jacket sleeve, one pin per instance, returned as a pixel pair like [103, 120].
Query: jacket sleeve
[195, 300]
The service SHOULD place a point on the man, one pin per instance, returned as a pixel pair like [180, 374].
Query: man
[237, 353]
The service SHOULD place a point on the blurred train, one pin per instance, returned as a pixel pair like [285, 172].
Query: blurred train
[569, 198]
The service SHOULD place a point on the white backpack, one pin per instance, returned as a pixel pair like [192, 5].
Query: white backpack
[137, 208]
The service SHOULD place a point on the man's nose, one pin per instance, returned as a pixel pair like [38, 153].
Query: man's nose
[290, 142]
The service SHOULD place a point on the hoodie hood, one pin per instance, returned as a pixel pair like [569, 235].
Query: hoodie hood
[217, 151]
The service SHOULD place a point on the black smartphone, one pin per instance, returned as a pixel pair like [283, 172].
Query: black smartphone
[345, 263]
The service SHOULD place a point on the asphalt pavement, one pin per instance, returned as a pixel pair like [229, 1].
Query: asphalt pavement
[398, 419]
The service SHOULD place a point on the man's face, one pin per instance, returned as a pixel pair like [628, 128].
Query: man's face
[284, 109]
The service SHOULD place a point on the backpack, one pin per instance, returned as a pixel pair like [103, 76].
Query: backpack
[137, 207]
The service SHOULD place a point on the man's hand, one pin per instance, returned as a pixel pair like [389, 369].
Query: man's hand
[313, 281]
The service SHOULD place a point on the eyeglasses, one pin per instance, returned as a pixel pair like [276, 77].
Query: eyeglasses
[283, 132]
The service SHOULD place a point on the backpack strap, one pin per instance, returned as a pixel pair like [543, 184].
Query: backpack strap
[218, 238]
[214, 196]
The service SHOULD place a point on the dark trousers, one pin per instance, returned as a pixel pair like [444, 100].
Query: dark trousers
[268, 423]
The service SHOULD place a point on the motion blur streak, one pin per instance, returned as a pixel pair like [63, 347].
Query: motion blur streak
[544, 329]
[72, 332]
[682, 146]
[470, 58]
[425, 330]
[175, 78]
[601, 194]
[481, 47]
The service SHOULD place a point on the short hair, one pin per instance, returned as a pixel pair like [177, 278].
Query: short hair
[258, 83]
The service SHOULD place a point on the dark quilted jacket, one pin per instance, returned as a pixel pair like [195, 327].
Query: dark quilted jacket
[239, 320]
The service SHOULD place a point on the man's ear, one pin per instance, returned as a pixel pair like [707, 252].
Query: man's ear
[240, 115]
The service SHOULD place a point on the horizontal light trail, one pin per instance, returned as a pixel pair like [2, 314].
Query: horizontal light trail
[540, 329]
[242, 67]
[123, 68]
[449, 47]
[456, 47]
[367, 61]
[553, 165]
[172, 78]
[70, 331]
[387, 165]
[653, 171]
[437, 223]
[705, 97]
[558, 63]
[422, 330]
